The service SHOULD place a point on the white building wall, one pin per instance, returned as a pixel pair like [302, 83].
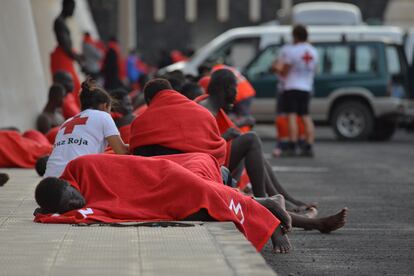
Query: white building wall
[22, 80]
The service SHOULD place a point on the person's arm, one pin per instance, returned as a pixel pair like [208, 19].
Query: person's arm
[117, 145]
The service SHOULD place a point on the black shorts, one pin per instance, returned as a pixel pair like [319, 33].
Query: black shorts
[296, 101]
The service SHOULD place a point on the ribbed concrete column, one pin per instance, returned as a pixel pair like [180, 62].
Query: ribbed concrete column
[127, 25]
[22, 80]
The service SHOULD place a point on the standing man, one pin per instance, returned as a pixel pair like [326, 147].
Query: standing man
[63, 56]
[298, 70]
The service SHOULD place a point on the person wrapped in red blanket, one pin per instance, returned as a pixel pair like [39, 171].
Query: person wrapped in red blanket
[164, 188]
[22, 150]
[191, 127]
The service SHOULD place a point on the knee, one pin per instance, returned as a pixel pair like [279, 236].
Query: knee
[253, 140]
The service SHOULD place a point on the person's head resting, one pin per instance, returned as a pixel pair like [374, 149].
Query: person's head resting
[55, 195]
[68, 7]
[122, 102]
[299, 33]
[191, 90]
[65, 79]
[92, 96]
[153, 87]
[56, 94]
[40, 165]
[223, 87]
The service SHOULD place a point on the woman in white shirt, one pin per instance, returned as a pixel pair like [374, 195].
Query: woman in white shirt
[89, 132]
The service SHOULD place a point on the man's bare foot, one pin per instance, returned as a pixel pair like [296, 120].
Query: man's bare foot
[4, 177]
[280, 241]
[334, 222]
[276, 205]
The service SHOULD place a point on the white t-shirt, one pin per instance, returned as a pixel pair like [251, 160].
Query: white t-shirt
[82, 134]
[303, 59]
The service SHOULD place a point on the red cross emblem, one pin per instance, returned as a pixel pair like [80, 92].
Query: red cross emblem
[307, 57]
[70, 126]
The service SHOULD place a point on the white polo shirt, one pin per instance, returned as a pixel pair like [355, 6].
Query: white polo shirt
[82, 134]
[303, 60]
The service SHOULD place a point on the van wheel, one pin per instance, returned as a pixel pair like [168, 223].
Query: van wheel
[383, 130]
[352, 121]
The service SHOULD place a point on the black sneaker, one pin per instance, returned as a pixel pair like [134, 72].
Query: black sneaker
[307, 152]
[4, 177]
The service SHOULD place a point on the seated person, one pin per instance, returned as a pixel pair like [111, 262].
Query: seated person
[51, 116]
[122, 107]
[88, 132]
[70, 105]
[177, 187]
[174, 124]
[246, 147]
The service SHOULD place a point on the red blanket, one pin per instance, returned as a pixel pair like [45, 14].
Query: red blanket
[158, 189]
[60, 61]
[175, 122]
[18, 151]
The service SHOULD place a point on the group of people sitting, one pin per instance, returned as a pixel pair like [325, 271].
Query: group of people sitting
[173, 158]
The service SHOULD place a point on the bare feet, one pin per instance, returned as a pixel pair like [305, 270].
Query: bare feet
[280, 241]
[4, 177]
[276, 205]
[334, 222]
[312, 212]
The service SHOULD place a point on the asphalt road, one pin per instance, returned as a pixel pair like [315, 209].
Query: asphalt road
[376, 182]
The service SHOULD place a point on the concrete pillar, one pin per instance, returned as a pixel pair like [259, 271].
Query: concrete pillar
[127, 25]
[23, 87]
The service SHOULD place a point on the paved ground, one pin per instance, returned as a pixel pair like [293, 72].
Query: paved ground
[29, 248]
[376, 182]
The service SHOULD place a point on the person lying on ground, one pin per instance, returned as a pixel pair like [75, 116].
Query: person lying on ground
[19, 150]
[51, 116]
[97, 188]
[86, 133]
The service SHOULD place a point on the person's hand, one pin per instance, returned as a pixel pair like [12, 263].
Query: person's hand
[231, 133]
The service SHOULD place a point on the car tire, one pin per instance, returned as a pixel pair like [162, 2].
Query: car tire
[352, 121]
[383, 130]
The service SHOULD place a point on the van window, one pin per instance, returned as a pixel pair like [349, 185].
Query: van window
[365, 59]
[263, 62]
[237, 53]
[393, 60]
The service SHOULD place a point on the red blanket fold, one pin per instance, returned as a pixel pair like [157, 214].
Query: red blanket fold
[51, 134]
[60, 61]
[175, 122]
[17, 151]
[159, 189]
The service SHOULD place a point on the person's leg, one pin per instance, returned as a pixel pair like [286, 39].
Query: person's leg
[249, 147]
[323, 225]
[280, 190]
[4, 177]
[309, 128]
[276, 205]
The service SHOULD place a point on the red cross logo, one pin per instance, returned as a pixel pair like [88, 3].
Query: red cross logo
[307, 57]
[70, 126]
